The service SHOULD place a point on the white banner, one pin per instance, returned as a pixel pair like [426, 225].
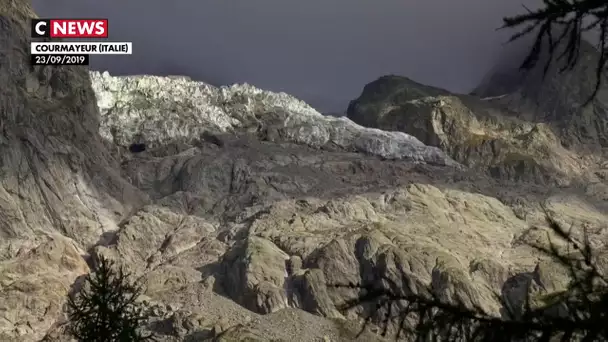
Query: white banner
[81, 48]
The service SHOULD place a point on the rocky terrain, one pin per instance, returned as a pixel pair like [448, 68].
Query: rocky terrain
[517, 126]
[239, 208]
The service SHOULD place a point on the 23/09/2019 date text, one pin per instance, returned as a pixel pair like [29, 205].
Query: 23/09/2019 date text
[59, 59]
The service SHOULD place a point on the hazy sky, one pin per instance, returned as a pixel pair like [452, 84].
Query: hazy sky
[322, 51]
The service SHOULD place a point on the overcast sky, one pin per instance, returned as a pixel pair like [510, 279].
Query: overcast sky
[322, 51]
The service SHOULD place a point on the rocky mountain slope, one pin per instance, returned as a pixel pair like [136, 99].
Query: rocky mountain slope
[516, 127]
[239, 208]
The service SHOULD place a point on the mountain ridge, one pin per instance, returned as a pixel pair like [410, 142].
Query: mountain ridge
[559, 97]
[509, 135]
[244, 206]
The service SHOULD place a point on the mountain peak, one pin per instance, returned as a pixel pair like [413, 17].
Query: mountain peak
[557, 97]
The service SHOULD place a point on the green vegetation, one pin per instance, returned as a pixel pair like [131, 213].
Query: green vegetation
[105, 308]
[476, 140]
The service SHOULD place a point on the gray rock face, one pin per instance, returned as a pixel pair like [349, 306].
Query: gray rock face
[504, 136]
[245, 207]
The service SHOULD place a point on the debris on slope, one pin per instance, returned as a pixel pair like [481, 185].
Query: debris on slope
[157, 111]
[239, 208]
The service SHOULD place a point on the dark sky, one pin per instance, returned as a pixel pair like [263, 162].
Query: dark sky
[322, 51]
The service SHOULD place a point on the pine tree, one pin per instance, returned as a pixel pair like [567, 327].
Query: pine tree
[105, 308]
[559, 26]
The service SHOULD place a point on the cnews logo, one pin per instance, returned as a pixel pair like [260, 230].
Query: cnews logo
[69, 28]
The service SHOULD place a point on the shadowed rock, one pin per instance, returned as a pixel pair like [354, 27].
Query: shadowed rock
[248, 205]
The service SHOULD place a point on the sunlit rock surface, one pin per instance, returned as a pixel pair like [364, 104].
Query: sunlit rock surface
[239, 208]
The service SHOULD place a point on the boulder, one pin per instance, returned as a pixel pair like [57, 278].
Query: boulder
[248, 214]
